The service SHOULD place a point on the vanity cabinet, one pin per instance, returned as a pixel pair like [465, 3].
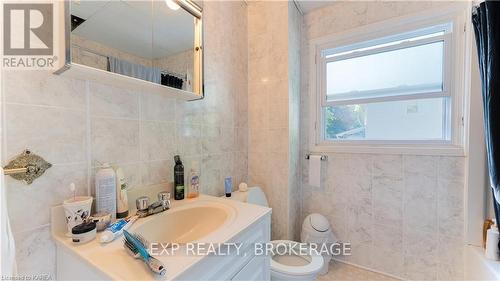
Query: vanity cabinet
[249, 225]
[256, 269]
[245, 266]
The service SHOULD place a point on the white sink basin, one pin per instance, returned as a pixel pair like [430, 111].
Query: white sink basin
[186, 224]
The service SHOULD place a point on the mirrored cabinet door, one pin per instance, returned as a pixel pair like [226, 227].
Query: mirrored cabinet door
[155, 41]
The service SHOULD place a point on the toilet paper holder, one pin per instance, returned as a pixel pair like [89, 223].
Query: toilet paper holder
[26, 167]
[323, 157]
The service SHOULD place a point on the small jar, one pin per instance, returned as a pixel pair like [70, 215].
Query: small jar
[84, 232]
[102, 220]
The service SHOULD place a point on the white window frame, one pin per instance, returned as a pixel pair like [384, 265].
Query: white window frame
[455, 82]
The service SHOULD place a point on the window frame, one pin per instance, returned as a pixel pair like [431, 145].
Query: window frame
[446, 38]
[456, 50]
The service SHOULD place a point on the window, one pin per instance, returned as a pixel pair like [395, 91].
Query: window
[393, 88]
[400, 88]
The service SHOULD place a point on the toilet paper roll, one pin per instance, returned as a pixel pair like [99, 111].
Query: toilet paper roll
[315, 170]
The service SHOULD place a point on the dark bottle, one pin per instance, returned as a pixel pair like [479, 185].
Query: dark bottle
[178, 178]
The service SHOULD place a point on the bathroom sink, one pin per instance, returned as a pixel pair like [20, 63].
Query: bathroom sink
[185, 224]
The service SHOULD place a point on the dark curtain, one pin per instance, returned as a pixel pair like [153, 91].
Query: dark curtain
[486, 22]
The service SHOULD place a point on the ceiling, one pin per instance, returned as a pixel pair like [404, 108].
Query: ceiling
[307, 6]
[130, 26]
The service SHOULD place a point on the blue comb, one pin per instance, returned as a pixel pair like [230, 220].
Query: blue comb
[136, 246]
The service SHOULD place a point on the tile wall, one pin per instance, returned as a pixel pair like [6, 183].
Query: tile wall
[76, 124]
[403, 214]
[273, 108]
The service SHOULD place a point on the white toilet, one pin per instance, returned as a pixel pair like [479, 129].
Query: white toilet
[284, 267]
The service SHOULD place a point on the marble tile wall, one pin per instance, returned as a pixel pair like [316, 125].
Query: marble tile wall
[273, 90]
[403, 214]
[294, 41]
[76, 124]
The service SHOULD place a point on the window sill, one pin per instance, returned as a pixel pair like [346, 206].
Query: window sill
[408, 149]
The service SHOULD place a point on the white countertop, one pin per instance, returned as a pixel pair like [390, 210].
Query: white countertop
[113, 261]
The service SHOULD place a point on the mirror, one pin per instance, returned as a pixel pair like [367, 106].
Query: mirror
[155, 41]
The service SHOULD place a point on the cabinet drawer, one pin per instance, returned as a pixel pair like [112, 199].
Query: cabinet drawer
[226, 267]
[255, 270]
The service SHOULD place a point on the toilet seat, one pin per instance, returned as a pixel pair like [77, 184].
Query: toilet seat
[315, 263]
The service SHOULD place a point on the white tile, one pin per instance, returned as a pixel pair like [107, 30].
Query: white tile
[185, 112]
[29, 205]
[451, 252]
[157, 172]
[420, 187]
[422, 166]
[419, 243]
[451, 208]
[217, 139]
[241, 138]
[108, 101]
[114, 140]
[155, 107]
[452, 168]
[387, 200]
[359, 225]
[358, 164]
[450, 272]
[421, 214]
[36, 254]
[387, 260]
[356, 189]
[56, 134]
[158, 141]
[43, 88]
[388, 166]
[388, 237]
[279, 140]
[361, 254]
[339, 271]
[189, 141]
[420, 268]
[258, 140]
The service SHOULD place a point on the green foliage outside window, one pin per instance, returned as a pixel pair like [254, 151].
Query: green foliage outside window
[341, 119]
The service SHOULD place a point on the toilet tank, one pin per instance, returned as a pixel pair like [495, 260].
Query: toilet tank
[254, 195]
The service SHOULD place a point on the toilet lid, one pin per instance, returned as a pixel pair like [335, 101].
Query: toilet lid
[315, 263]
[319, 222]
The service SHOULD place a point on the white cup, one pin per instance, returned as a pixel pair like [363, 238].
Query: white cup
[77, 210]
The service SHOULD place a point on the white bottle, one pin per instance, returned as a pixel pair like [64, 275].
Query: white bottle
[194, 183]
[492, 237]
[121, 195]
[105, 190]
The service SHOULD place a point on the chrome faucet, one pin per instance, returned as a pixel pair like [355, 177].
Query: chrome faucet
[144, 209]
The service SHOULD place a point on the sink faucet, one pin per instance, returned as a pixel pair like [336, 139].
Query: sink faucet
[144, 209]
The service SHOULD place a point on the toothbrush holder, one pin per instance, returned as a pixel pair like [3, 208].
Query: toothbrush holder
[77, 210]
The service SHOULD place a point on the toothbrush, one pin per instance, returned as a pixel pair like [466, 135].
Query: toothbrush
[136, 247]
